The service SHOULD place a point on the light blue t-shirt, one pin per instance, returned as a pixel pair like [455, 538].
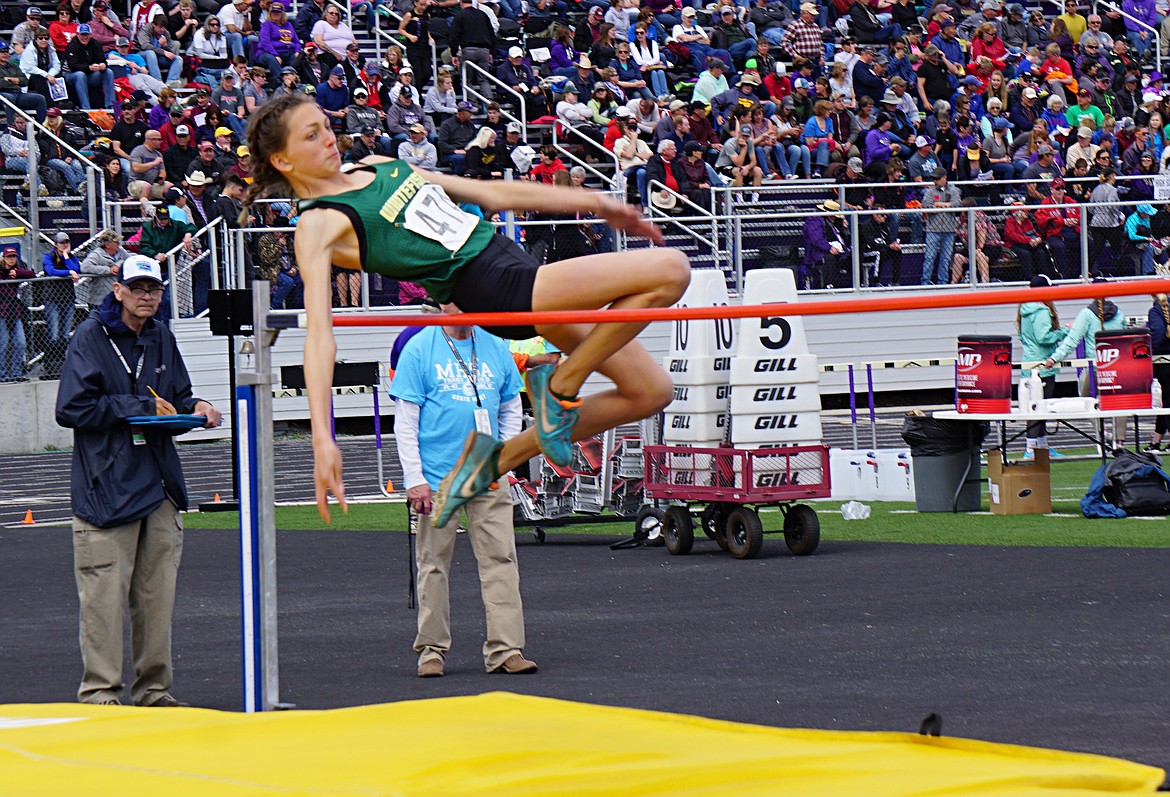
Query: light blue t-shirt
[430, 376]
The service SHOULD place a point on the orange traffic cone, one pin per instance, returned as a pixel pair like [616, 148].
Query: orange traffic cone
[389, 485]
[28, 519]
[217, 499]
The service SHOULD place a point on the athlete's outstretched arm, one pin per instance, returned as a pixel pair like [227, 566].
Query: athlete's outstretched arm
[519, 195]
[317, 232]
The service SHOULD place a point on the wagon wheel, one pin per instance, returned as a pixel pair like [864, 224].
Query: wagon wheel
[678, 530]
[802, 530]
[714, 522]
[745, 533]
[648, 526]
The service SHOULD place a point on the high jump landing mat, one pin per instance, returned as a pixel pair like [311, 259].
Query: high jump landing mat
[505, 744]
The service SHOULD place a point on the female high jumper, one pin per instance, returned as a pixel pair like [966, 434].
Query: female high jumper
[387, 218]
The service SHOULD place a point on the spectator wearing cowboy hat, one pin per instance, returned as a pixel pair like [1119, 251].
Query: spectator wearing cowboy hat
[826, 247]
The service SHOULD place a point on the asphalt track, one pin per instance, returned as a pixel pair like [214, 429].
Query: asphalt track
[1058, 648]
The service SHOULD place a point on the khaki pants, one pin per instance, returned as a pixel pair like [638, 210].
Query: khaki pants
[489, 527]
[135, 564]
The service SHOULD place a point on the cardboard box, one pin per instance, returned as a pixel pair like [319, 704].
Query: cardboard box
[1019, 488]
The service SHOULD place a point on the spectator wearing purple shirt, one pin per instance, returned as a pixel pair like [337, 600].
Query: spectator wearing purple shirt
[279, 43]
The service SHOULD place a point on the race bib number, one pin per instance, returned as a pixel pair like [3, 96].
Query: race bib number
[433, 215]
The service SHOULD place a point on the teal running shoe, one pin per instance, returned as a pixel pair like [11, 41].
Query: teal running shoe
[555, 418]
[474, 473]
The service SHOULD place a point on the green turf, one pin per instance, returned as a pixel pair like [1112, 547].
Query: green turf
[888, 522]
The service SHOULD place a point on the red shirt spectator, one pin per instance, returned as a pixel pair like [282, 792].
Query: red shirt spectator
[549, 165]
[1051, 220]
[612, 133]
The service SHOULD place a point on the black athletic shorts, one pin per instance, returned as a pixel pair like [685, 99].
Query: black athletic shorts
[498, 280]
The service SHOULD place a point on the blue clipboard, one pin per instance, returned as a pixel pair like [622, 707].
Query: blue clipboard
[174, 422]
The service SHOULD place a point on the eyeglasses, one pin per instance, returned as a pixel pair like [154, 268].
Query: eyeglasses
[142, 293]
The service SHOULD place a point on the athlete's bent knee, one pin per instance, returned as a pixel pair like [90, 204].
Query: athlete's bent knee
[656, 392]
[676, 275]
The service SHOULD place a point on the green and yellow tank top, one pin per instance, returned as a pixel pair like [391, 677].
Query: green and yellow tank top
[408, 228]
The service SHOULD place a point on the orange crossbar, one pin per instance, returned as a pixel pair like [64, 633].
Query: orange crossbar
[881, 304]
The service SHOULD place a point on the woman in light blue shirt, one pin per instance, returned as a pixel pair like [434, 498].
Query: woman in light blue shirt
[818, 133]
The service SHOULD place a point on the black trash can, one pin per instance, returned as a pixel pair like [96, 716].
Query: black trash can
[947, 475]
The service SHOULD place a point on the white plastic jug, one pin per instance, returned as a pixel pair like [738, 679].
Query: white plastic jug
[1031, 393]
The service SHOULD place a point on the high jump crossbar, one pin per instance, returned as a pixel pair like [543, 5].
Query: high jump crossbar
[924, 301]
[253, 415]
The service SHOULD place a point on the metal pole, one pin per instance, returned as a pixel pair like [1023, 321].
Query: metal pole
[855, 249]
[972, 250]
[509, 214]
[872, 411]
[34, 204]
[213, 253]
[235, 432]
[91, 200]
[853, 406]
[174, 289]
[260, 498]
[241, 264]
[1084, 213]
[738, 256]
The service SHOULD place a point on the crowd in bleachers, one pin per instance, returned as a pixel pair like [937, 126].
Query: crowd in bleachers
[891, 100]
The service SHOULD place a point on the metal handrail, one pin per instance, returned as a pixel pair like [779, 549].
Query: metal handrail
[802, 186]
[522, 119]
[1131, 18]
[611, 183]
[662, 216]
[614, 184]
[380, 34]
[92, 170]
[171, 266]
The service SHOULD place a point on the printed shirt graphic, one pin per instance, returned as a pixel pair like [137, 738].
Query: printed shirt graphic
[430, 376]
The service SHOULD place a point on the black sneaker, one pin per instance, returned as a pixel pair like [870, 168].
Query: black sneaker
[1154, 447]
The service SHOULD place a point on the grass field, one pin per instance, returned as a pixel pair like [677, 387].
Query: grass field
[888, 522]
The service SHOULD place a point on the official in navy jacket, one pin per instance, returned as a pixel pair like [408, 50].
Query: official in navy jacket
[127, 490]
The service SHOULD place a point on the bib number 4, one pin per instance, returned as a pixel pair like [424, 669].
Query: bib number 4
[433, 215]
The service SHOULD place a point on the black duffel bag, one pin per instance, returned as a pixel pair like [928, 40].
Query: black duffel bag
[1136, 483]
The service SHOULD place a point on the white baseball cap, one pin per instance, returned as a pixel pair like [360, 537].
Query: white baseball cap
[141, 267]
[515, 52]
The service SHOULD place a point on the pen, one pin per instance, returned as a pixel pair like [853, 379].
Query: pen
[151, 389]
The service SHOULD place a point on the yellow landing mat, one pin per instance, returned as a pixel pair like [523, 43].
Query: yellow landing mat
[507, 745]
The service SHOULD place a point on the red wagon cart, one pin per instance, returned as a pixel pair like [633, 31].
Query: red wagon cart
[727, 481]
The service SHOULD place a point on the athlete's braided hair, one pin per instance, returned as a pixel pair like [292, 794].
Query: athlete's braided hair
[267, 135]
[1164, 306]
